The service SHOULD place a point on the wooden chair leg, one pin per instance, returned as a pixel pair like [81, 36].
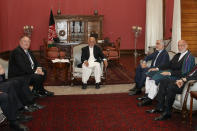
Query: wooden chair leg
[191, 106]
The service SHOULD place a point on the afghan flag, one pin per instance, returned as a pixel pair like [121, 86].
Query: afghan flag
[51, 32]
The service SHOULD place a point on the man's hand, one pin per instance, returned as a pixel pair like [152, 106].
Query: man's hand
[39, 71]
[1, 92]
[179, 83]
[166, 73]
[152, 69]
[2, 71]
[105, 63]
[86, 63]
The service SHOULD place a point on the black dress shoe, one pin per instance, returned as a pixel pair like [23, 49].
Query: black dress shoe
[163, 116]
[145, 102]
[134, 88]
[97, 86]
[23, 118]
[154, 111]
[46, 93]
[84, 86]
[142, 98]
[37, 94]
[37, 106]
[18, 126]
[29, 109]
[135, 92]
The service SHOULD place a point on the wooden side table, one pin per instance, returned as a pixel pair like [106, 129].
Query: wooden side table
[193, 94]
[61, 66]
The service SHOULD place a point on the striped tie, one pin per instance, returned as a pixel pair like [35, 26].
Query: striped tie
[30, 59]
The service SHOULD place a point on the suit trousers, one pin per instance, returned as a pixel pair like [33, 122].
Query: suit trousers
[140, 77]
[9, 102]
[38, 80]
[21, 86]
[87, 71]
[166, 94]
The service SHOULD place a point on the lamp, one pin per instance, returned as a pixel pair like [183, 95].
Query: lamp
[28, 30]
[137, 30]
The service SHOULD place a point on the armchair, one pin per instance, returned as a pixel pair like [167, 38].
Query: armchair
[113, 52]
[182, 101]
[76, 72]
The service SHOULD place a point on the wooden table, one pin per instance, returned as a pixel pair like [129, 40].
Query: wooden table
[193, 94]
[61, 66]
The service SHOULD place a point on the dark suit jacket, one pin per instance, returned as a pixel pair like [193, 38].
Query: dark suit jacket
[98, 54]
[19, 64]
[162, 59]
[174, 65]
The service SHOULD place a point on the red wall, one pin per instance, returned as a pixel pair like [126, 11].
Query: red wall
[119, 17]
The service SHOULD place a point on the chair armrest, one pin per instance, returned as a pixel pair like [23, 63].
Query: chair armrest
[192, 82]
[189, 85]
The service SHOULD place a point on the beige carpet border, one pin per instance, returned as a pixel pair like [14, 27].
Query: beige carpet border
[76, 90]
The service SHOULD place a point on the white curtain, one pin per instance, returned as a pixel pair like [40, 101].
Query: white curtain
[154, 22]
[176, 26]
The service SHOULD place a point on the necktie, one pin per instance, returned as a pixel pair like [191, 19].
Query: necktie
[193, 71]
[30, 59]
[156, 59]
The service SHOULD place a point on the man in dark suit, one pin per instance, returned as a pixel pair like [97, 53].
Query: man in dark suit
[178, 67]
[159, 58]
[167, 92]
[91, 58]
[23, 63]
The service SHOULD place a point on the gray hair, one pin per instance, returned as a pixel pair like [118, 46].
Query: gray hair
[161, 42]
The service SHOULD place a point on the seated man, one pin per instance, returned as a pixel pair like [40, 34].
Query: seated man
[23, 63]
[91, 58]
[159, 58]
[167, 92]
[20, 87]
[178, 67]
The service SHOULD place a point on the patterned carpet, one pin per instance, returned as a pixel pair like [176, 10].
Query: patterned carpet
[116, 74]
[107, 112]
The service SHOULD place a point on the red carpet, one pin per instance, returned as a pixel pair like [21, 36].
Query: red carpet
[110, 112]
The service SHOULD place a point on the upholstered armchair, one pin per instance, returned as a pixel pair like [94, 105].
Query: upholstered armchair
[76, 72]
[4, 64]
[113, 52]
[182, 101]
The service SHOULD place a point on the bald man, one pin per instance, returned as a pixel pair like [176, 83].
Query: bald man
[177, 68]
[91, 59]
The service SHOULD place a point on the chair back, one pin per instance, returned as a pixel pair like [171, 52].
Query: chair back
[77, 51]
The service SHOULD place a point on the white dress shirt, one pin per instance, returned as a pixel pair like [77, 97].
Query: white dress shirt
[91, 58]
[182, 54]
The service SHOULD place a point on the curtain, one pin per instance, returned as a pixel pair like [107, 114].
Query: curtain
[176, 26]
[154, 23]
